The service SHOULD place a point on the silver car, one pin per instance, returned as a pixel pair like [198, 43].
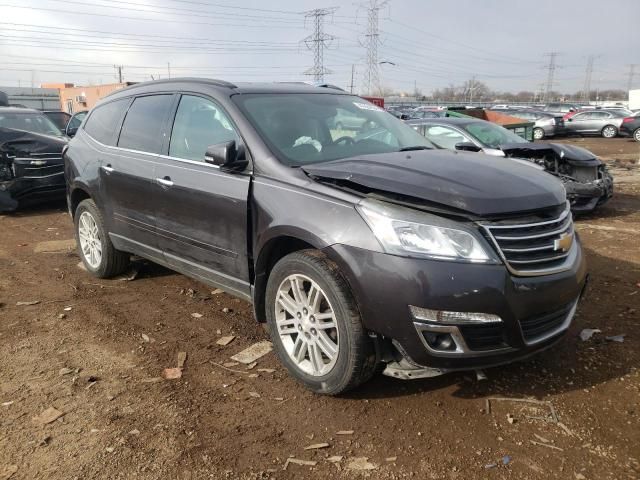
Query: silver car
[595, 122]
[545, 124]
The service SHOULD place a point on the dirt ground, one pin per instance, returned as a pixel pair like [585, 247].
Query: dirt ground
[95, 351]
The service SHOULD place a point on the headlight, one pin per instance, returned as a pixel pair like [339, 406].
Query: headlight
[406, 232]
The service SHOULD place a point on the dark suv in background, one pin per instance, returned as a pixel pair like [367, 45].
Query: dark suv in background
[360, 249]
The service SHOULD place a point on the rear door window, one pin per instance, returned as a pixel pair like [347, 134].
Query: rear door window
[104, 121]
[143, 125]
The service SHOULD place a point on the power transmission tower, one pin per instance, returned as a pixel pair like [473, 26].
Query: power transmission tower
[318, 41]
[586, 90]
[550, 74]
[372, 39]
[119, 70]
[631, 74]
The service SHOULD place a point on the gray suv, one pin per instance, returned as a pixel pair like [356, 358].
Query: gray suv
[363, 251]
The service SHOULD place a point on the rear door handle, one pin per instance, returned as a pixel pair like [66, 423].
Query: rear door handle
[165, 182]
[107, 168]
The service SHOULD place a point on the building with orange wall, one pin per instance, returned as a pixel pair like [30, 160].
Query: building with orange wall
[75, 99]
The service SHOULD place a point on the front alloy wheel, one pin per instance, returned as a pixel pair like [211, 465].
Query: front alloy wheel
[315, 324]
[636, 135]
[307, 325]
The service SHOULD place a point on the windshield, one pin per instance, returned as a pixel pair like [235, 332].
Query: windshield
[29, 122]
[309, 128]
[491, 135]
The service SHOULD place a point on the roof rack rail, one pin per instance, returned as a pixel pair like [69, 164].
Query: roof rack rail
[328, 85]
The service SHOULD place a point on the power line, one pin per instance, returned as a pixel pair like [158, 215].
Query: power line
[318, 41]
[551, 70]
[372, 74]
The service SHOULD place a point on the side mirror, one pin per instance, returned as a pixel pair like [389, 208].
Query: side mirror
[226, 156]
[467, 147]
[71, 131]
[569, 119]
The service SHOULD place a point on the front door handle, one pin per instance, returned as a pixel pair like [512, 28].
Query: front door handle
[165, 182]
[107, 168]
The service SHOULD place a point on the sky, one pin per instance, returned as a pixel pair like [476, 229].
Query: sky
[428, 44]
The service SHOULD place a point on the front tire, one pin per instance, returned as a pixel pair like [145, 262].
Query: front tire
[315, 325]
[98, 254]
[538, 133]
[609, 131]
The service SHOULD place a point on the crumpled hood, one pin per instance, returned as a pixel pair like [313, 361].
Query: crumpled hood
[19, 142]
[572, 154]
[479, 184]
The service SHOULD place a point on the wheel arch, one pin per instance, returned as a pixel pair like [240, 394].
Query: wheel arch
[78, 194]
[279, 245]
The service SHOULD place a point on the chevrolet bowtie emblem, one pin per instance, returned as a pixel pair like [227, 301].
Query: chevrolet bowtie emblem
[564, 242]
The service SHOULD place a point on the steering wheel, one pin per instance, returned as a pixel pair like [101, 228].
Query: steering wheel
[345, 138]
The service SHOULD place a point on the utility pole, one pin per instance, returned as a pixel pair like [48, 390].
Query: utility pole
[586, 90]
[372, 39]
[550, 74]
[119, 70]
[472, 89]
[353, 71]
[631, 74]
[318, 41]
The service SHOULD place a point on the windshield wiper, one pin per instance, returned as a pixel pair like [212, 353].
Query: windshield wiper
[415, 147]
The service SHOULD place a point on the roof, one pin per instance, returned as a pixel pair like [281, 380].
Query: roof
[222, 86]
[19, 110]
[444, 120]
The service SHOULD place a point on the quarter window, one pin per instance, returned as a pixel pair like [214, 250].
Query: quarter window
[104, 120]
[143, 126]
[199, 123]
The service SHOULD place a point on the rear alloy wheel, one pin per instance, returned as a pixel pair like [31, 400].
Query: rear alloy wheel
[609, 131]
[98, 254]
[636, 135]
[315, 325]
[538, 134]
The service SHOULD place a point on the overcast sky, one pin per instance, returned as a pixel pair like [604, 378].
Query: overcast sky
[432, 43]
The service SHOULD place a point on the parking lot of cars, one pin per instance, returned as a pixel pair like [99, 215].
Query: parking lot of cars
[151, 372]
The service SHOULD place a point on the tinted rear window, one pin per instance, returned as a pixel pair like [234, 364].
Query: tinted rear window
[104, 120]
[142, 127]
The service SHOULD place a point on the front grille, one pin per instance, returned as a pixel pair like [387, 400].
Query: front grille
[533, 248]
[540, 326]
[38, 165]
[484, 337]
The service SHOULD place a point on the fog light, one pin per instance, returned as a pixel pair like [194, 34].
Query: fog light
[440, 341]
[456, 318]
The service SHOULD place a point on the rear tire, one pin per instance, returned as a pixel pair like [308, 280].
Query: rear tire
[538, 133]
[98, 254]
[329, 354]
[636, 135]
[609, 131]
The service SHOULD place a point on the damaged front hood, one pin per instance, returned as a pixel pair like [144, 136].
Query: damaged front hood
[19, 143]
[572, 154]
[475, 183]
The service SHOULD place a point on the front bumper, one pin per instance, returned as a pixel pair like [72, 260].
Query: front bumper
[585, 197]
[25, 190]
[535, 311]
